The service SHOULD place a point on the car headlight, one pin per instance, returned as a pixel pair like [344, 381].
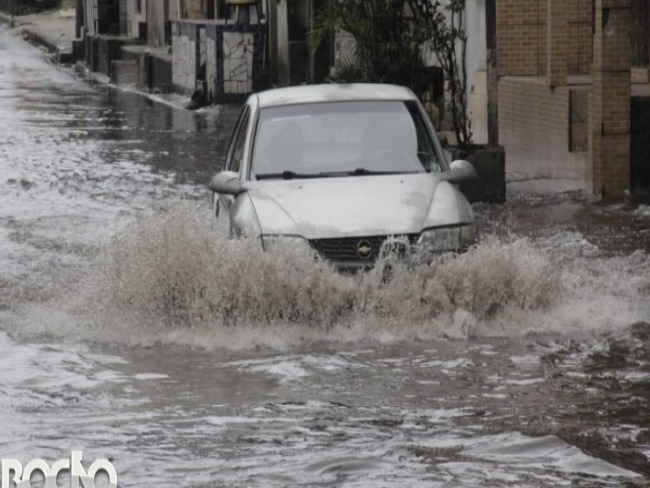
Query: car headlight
[273, 242]
[444, 239]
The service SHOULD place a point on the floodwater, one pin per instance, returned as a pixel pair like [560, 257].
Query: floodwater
[131, 331]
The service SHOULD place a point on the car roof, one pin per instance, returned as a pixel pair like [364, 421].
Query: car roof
[333, 92]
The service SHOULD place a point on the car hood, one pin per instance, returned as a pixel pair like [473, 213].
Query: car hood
[355, 205]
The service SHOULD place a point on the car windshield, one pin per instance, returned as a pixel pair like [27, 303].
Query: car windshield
[342, 138]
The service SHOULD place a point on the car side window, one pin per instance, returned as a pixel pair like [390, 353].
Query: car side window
[239, 141]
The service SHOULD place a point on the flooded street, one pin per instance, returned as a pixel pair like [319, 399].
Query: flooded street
[130, 330]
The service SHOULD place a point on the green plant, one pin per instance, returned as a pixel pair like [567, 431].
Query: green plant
[386, 49]
[442, 25]
[389, 35]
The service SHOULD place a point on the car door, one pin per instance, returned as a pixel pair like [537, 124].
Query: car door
[235, 163]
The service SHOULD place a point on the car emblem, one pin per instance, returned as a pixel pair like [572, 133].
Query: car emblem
[364, 249]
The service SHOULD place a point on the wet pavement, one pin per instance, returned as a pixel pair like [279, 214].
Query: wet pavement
[131, 330]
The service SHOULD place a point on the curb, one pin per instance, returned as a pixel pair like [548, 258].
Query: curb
[63, 55]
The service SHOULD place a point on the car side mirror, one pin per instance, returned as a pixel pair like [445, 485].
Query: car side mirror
[461, 170]
[227, 183]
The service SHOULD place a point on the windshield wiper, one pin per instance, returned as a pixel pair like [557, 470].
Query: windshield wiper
[363, 172]
[290, 175]
[285, 175]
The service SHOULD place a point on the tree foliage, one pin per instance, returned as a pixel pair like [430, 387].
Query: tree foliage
[386, 49]
[389, 37]
[443, 25]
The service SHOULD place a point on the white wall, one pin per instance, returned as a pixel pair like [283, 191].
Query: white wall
[135, 18]
[89, 16]
[476, 63]
[155, 12]
[174, 9]
[184, 63]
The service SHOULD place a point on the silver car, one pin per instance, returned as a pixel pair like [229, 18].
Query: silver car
[342, 169]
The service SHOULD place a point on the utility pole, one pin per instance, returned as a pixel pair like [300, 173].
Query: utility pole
[492, 71]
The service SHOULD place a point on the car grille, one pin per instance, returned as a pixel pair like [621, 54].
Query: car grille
[354, 249]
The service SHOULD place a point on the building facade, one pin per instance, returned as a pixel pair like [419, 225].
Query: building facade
[567, 83]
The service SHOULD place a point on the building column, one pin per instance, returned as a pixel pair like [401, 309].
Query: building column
[492, 73]
[557, 43]
[278, 29]
[611, 97]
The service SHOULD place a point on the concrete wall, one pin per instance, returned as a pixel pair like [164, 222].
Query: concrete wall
[186, 55]
[534, 129]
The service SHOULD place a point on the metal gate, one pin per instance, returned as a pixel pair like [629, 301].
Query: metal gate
[640, 147]
[107, 16]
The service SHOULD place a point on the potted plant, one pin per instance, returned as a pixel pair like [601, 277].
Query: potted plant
[386, 47]
[442, 26]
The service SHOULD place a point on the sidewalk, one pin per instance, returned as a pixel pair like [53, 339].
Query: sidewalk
[55, 30]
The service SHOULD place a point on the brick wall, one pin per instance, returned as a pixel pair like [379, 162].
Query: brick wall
[557, 42]
[521, 37]
[583, 37]
[579, 18]
[534, 129]
[611, 98]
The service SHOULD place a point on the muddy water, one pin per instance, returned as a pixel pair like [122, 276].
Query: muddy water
[132, 331]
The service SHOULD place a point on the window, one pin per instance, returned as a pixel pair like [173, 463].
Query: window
[578, 120]
[379, 136]
[238, 144]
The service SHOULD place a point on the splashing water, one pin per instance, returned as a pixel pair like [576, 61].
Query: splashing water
[170, 277]
[369, 391]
